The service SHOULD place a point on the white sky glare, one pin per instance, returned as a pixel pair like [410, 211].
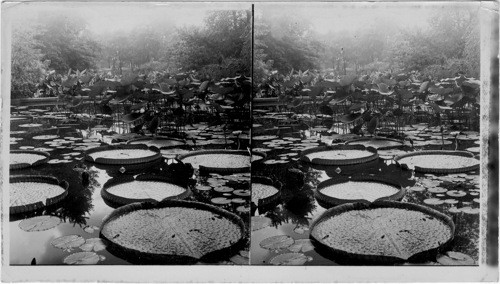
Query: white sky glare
[123, 16]
[338, 16]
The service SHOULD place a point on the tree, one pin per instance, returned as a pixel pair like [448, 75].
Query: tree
[286, 41]
[27, 67]
[221, 48]
[66, 43]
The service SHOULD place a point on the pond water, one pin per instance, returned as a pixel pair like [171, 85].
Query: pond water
[290, 217]
[83, 210]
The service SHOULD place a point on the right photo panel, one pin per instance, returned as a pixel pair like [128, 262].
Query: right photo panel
[366, 134]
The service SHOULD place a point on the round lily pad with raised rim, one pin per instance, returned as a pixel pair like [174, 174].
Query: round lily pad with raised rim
[377, 142]
[173, 232]
[123, 154]
[221, 161]
[158, 142]
[342, 190]
[339, 155]
[20, 159]
[126, 190]
[439, 161]
[30, 193]
[381, 232]
[264, 191]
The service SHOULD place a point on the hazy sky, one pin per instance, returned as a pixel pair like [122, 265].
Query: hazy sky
[106, 17]
[353, 16]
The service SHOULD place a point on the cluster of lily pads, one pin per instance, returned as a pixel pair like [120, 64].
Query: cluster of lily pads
[452, 193]
[88, 248]
[289, 251]
[231, 192]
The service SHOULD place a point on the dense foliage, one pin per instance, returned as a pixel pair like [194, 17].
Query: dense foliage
[54, 44]
[447, 46]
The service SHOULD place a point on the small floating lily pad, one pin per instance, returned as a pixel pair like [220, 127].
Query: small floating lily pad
[260, 222]
[203, 187]
[242, 192]
[469, 210]
[80, 258]
[93, 244]
[290, 259]
[277, 242]
[433, 201]
[220, 200]
[39, 223]
[90, 229]
[240, 260]
[223, 189]
[456, 193]
[301, 245]
[243, 209]
[455, 258]
[68, 242]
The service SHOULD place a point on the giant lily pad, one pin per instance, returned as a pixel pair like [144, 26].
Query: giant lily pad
[144, 188]
[226, 161]
[333, 192]
[27, 158]
[158, 142]
[172, 231]
[123, 154]
[439, 161]
[384, 231]
[29, 193]
[263, 193]
[339, 155]
[376, 143]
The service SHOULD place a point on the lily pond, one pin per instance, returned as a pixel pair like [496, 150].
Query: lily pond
[287, 203]
[70, 229]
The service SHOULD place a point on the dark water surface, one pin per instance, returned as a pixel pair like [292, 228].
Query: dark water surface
[297, 208]
[83, 210]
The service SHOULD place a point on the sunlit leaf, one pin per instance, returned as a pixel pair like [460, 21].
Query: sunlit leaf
[40, 223]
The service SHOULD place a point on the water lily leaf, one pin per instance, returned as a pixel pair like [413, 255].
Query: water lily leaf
[40, 223]
[90, 229]
[93, 244]
[437, 189]
[456, 193]
[80, 258]
[424, 86]
[290, 259]
[433, 201]
[260, 222]
[455, 258]
[68, 242]
[240, 260]
[383, 89]
[301, 245]
[277, 242]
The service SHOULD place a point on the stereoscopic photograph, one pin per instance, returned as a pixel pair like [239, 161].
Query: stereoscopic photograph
[129, 134]
[211, 141]
[369, 117]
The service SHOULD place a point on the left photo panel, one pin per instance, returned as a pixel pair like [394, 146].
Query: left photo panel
[129, 133]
